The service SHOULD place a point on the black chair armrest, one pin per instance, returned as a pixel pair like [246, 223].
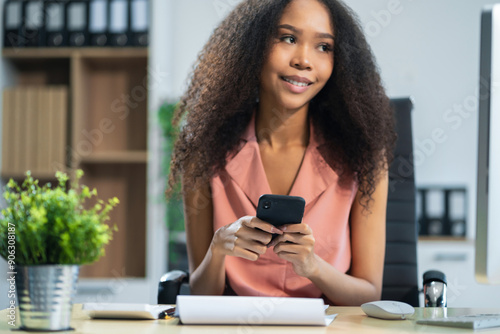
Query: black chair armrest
[170, 286]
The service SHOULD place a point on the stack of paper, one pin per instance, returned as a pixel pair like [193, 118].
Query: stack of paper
[237, 310]
[124, 311]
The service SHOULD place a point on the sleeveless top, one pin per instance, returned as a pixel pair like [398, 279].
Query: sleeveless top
[236, 191]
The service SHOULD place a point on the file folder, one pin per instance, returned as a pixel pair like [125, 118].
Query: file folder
[139, 22]
[77, 22]
[31, 34]
[119, 23]
[55, 30]
[12, 21]
[98, 22]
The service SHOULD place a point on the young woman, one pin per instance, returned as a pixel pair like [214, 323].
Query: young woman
[285, 99]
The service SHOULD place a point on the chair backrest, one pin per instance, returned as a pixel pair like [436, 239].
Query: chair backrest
[400, 270]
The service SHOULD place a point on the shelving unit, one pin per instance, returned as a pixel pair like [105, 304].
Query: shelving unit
[107, 135]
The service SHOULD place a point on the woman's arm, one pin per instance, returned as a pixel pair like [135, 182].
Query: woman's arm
[247, 238]
[364, 281]
[207, 271]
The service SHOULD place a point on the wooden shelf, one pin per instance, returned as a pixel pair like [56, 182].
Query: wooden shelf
[116, 157]
[106, 133]
[44, 53]
[22, 176]
[126, 253]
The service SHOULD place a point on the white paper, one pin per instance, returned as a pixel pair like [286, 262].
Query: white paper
[123, 311]
[329, 319]
[237, 310]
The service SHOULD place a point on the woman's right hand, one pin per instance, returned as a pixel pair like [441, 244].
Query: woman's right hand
[247, 238]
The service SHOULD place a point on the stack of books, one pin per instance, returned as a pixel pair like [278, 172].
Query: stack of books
[34, 130]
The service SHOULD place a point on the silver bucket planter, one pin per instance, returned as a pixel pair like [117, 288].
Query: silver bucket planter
[45, 294]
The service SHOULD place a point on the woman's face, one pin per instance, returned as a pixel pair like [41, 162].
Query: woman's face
[301, 57]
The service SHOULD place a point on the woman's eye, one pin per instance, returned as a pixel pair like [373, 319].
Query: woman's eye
[325, 48]
[288, 39]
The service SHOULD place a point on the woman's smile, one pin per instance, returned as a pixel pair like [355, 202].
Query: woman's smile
[296, 84]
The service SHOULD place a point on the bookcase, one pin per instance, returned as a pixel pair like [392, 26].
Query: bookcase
[105, 133]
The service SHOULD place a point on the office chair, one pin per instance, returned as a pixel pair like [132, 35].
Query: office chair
[400, 266]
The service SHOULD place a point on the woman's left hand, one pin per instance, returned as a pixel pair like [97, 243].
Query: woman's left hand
[296, 245]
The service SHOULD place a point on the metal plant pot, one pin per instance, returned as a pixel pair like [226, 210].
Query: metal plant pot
[45, 294]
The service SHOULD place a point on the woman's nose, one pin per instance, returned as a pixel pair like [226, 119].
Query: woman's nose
[301, 58]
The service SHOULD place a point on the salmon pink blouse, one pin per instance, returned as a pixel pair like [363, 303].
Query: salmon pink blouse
[236, 191]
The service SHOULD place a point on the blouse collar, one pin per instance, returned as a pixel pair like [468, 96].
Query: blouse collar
[247, 170]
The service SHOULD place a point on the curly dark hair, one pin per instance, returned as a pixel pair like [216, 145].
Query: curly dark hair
[351, 113]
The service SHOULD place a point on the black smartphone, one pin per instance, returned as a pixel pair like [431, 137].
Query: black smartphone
[281, 209]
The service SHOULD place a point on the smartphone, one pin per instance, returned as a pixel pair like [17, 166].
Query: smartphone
[281, 209]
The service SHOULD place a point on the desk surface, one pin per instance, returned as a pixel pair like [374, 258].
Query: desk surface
[349, 320]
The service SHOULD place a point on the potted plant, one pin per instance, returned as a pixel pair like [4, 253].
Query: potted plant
[47, 232]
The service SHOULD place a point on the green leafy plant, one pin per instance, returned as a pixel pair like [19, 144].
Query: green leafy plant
[170, 132]
[50, 225]
[165, 116]
[175, 215]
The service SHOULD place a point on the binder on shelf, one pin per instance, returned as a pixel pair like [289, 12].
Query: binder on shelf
[77, 22]
[32, 29]
[139, 22]
[12, 21]
[98, 22]
[119, 22]
[55, 29]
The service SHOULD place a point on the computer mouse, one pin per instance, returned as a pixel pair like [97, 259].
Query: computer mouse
[388, 309]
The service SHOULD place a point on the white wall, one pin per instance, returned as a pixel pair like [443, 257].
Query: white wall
[430, 50]
[194, 21]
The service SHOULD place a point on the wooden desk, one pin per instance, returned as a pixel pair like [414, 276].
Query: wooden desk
[349, 320]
